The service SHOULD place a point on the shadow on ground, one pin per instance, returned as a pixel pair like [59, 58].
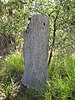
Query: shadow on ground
[20, 92]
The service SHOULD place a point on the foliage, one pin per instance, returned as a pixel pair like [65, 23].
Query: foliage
[60, 86]
[11, 71]
[14, 16]
[62, 77]
[13, 64]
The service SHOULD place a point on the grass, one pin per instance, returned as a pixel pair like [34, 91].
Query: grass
[60, 86]
[62, 78]
[11, 71]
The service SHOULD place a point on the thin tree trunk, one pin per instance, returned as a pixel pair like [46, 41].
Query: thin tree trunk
[54, 35]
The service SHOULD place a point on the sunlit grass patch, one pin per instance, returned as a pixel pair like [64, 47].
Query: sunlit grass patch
[62, 77]
[13, 65]
[11, 71]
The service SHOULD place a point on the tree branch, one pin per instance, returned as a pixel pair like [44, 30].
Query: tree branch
[54, 35]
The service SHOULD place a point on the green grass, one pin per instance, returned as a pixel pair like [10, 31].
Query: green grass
[12, 65]
[60, 86]
[11, 71]
[62, 78]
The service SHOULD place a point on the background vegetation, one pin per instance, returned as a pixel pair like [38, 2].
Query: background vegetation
[14, 18]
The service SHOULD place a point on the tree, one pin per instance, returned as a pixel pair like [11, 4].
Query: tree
[14, 16]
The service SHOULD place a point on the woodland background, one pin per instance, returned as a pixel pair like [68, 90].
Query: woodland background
[14, 18]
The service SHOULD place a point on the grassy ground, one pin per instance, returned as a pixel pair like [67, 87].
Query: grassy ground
[60, 86]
